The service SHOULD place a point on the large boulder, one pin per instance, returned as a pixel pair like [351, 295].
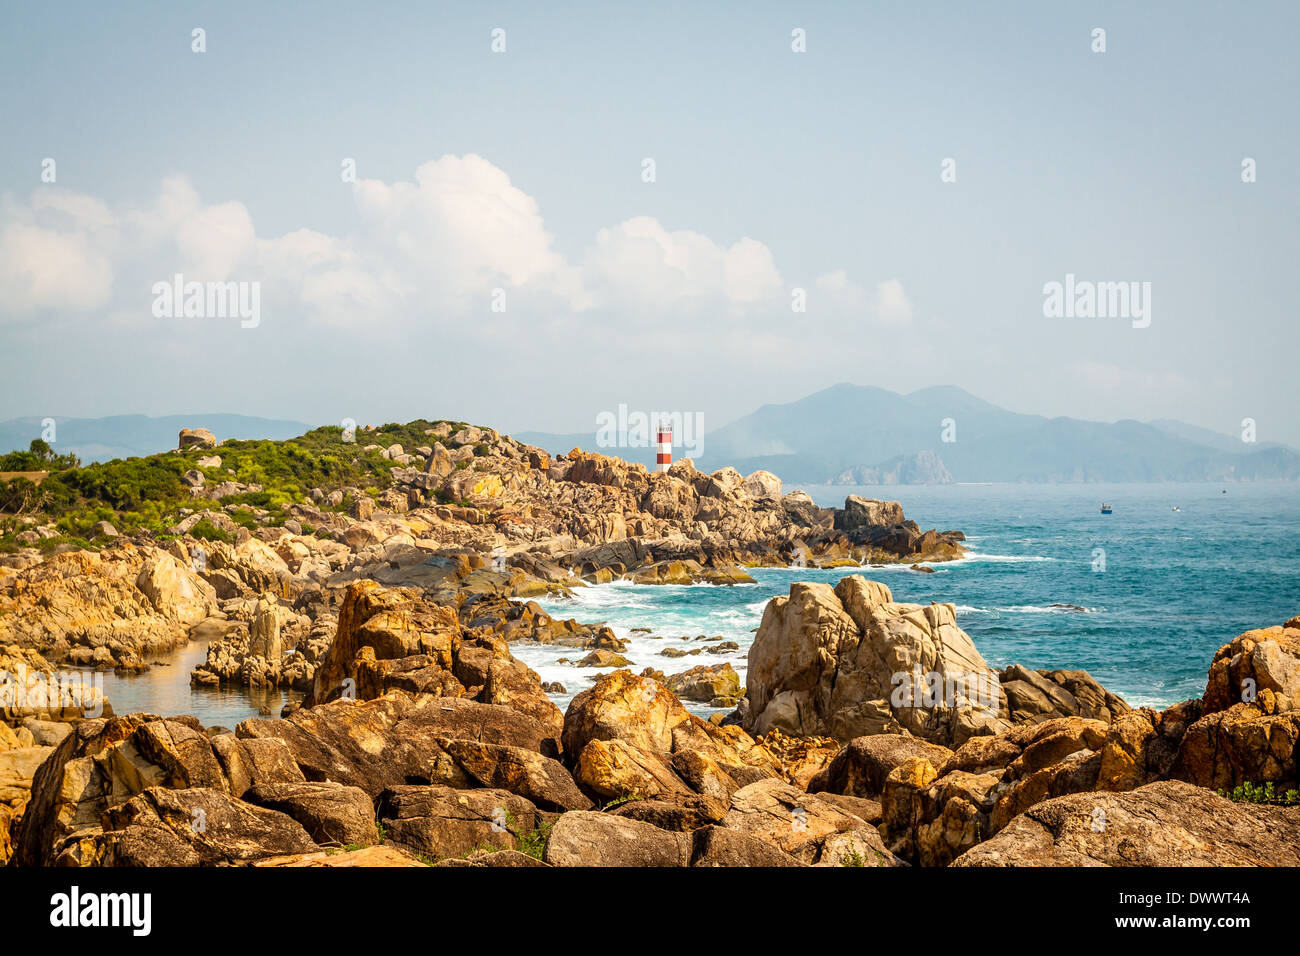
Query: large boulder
[615, 769]
[932, 813]
[395, 739]
[196, 438]
[392, 623]
[175, 590]
[861, 767]
[762, 485]
[643, 714]
[540, 779]
[705, 683]
[813, 831]
[394, 639]
[442, 822]
[1246, 727]
[587, 838]
[1162, 824]
[1266, 659]
[848, 661]
[255, 761]
[104, 763]
[329, 812]
[1243, 744]
[637, 710]
[264, 630]
[869, 513]
[1040, 695]
[196, 825]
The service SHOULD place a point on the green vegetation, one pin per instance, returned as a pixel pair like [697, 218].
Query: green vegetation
[1254, 793]
[619, 801]
[136, 494]
[533, 843]
[205, 530]
[854, 858]
[38, 457]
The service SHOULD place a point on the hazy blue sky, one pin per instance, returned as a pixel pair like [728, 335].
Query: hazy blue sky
[775, 171]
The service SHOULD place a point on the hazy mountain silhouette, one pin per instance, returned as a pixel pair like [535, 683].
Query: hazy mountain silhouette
[859, 427]
[128, 436]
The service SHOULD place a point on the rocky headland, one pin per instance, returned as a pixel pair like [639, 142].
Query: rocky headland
[870, 733]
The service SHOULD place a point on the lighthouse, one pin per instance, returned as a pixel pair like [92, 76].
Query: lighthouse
[664, 457]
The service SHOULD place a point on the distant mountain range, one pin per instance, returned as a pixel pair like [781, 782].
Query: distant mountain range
[845, 434]
[130, 436]
[858, 434]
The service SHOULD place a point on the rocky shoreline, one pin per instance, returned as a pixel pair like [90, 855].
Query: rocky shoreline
[423, 741]
[870, 733]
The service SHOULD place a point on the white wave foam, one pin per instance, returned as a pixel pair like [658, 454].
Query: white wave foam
[977, 556]
[1026, 609]
[1041, 609]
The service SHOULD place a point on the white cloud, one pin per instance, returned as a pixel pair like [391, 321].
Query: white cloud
[438, 244]
[461, 222]
[56, 252]
[892, 304]
[640, 263]
[840, 290]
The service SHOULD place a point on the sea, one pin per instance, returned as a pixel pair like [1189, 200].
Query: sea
[1140, 598]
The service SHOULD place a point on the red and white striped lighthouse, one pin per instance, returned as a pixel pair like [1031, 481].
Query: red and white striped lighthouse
[664, 458]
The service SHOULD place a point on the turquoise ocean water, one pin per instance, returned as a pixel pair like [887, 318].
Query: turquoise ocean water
[1174, 586]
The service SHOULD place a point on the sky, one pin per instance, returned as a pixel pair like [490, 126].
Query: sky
[663, 206]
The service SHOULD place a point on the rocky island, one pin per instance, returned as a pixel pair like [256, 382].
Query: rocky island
[388, 586]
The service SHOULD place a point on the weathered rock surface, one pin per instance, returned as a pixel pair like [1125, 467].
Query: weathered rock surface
[440, 822]
[392, 740]
[930, 814]
[517, 770]
[1041, 695]
[392, 638]
[813, 831]
[372, 856]
[657, 740]
[201, 825]
[1266, 659]
[849, 661]
[861, 767]
[585, 838]
[705, 683]
[1168, 823]
[329, 812]
[105, 763]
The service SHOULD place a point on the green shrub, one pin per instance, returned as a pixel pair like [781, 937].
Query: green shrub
[205, 530]
[533, 843]
[148, 493]
[1255, 793]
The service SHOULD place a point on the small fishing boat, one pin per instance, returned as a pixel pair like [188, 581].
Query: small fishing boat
[1105, 508]
[1175, 508]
